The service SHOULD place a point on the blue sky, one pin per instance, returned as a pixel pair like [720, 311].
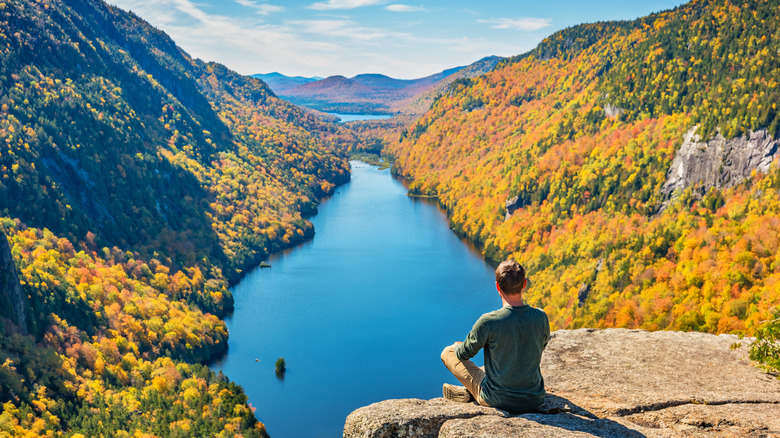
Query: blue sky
[402, 39]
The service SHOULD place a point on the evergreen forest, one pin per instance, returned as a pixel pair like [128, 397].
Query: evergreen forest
[138, 183]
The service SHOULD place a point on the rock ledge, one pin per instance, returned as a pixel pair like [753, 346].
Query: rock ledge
[609, 383]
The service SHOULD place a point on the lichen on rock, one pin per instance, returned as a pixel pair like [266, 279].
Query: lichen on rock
[609, 383]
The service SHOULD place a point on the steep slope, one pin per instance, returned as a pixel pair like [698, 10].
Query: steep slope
[115, 333]
[111, 128]
[420, 102]
[12, 299]
[559, 156]
[135, 182]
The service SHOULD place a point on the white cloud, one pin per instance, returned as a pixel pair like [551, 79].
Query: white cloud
[266, 9]
[262, 8]
[523, 23]
[312, 44]
[405, 8]
[344, 4]
[345, 29]
[245, 44]
[143, 8]
[189, 8]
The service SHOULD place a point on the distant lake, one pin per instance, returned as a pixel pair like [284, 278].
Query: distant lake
[360, 313]
[353, 117]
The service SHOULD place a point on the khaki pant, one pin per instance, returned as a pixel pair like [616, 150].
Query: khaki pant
[466, 371]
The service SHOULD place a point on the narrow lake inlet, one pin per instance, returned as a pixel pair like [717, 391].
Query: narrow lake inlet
[359, 314]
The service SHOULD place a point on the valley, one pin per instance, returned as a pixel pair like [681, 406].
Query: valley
[630, 165]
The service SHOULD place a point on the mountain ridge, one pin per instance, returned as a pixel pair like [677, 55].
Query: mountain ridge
[577, 137]
[136, 183]
[180, 99]
[279, 82]
[378, 93]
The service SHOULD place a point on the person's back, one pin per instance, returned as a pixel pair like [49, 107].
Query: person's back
[513, 338]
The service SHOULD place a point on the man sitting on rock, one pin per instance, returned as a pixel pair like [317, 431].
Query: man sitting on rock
[513, 338]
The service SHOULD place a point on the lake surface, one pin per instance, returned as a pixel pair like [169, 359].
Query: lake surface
[360, 313]
[353, 117]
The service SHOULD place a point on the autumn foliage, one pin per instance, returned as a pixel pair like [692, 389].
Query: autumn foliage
[114, 334]
[135, 183]
[581, 132]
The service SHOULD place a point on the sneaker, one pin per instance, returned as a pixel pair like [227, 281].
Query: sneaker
[456, 393]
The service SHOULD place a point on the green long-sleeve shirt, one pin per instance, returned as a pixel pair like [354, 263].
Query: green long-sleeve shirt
[513, 339]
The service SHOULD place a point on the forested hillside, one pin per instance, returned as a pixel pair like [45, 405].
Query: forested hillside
[111, 337]
[135, 183]
[557, 158]
[111, 128]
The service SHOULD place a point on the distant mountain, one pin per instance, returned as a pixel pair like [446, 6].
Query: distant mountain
[340, 94]
[381, 81]
[377, 93]
[278, 82]
[334, 85]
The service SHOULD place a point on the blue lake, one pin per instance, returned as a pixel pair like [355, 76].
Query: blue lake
[353, 117]
[360, 313]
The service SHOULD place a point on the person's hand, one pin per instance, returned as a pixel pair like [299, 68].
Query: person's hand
[456, 343]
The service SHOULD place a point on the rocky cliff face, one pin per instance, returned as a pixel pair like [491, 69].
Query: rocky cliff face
[719, 162]
[609, 383]
[11, 294]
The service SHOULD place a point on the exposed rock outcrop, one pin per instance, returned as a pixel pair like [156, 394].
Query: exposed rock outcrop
[411, 417]
[512, 205]
[582, 294]
[11, 293]
[584, 291]
[609, 383]
[719, 162]
[613, 111]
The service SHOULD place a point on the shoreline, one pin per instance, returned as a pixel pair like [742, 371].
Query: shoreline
[257, 263]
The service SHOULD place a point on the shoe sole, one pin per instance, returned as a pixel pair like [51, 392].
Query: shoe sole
[456, 393]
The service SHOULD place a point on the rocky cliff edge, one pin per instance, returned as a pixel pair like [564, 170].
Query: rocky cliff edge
[719, 162]
[609, 383]
[12, 299]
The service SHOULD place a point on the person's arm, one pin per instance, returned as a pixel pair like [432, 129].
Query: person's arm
[476, 339]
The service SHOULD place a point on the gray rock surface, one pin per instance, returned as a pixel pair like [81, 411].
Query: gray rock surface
[10, 288]
[719, 162]
[512, 205]
[603, 370]
[613, 111]
[609, 383]
[536, 425]
[410, 417]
